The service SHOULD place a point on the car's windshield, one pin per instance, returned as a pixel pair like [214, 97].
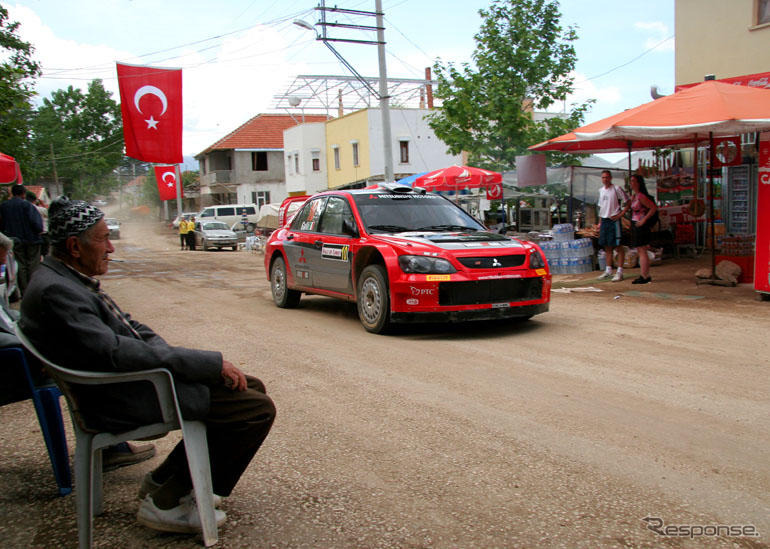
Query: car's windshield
[392, 213]
[215, 225]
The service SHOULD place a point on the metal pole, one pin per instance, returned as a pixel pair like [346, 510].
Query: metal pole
[387, 145]
[178, 190]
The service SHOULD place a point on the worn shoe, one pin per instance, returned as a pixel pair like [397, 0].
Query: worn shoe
[618, 277]
[149, 486]
[641, 280]
[605, 276]
[124, 454]
[182, 519]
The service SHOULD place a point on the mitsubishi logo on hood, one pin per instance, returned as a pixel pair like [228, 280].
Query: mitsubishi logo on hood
[496, 263]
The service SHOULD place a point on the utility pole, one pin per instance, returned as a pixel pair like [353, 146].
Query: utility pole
[387, 148]
[382, 94]
[55, 174]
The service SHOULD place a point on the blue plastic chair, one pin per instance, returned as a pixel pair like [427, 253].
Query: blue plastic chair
[46, 401]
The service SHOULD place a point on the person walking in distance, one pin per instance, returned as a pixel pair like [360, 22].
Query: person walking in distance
[611, 203]
[191, 233]
[20, 220]
[182, 233]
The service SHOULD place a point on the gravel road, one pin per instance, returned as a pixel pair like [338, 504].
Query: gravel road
[565, 431]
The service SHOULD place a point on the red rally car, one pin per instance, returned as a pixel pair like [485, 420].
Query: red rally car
[404, 255]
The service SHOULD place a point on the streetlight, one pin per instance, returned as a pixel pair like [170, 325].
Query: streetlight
[382, 95]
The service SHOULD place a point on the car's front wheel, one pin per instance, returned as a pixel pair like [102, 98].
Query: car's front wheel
[282, 295]
[374, 299]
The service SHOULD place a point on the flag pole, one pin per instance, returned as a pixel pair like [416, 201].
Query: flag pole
[178, 190]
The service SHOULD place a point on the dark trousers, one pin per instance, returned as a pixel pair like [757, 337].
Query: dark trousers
[191, 240]
[182, 240]
[236, 426]
[28, 258]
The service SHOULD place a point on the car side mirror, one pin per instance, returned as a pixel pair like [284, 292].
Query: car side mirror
[349, 227]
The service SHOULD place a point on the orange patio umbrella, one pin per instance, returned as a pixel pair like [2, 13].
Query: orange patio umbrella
[709, 109]
[9, 170]
[690, 116]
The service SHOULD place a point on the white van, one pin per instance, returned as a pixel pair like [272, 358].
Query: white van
[231, 214]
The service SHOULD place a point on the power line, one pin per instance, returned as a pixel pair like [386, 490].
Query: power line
[645, 52]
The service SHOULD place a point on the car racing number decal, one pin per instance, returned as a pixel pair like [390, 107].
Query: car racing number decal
[335, 252]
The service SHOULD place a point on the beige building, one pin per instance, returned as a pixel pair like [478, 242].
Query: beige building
[720, 37]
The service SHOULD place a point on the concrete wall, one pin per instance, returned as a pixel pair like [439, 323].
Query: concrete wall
[340, 133]
[721, 38]
[426, 151]
[304, 140]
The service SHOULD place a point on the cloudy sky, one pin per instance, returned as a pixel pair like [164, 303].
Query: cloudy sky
[236, 55]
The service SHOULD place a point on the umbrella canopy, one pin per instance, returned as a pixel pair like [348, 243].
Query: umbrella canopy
[9, 170]
[682, 118]
[408, 180]
[455, 178]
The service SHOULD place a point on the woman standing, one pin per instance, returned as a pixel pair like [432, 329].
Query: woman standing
[643, 209]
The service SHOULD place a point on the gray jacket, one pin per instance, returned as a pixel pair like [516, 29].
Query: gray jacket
[71, 326]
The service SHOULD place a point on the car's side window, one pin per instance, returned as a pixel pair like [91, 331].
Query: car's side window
[226, 211]
[208, 212]
[307, 218]
[336, 212]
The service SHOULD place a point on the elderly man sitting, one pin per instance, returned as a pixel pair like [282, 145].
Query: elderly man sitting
[75, 323]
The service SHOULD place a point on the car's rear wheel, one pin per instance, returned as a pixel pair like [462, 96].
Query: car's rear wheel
[374, 299]
[282, 295]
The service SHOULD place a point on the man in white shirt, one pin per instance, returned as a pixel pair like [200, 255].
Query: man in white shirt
[611, 208]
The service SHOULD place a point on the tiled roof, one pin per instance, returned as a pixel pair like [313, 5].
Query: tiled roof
[264, 131]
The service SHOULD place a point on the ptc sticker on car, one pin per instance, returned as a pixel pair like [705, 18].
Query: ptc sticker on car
[337, 252]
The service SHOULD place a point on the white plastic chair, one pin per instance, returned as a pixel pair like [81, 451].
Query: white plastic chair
[89, 442]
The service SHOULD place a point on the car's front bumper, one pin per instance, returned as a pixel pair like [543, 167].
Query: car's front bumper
[497, 313]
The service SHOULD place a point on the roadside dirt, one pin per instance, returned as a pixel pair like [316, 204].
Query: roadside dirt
[565, 431]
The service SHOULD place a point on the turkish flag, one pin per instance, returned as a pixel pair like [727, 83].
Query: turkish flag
[151, 103]
[166, 179]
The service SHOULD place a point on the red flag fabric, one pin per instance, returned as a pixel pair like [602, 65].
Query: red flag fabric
[166, 178]
[151, 103]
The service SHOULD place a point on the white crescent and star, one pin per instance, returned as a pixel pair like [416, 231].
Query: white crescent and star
[157, 92]
[169, 184]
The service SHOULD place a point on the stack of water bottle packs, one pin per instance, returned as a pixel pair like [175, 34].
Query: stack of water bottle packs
[566, 255]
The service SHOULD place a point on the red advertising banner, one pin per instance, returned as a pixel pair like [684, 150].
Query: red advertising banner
[495, 191]
[151, 104]
[166, 179]
[762, 253]
[759, 80]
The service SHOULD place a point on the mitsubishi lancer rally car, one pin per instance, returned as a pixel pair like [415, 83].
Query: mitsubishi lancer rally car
[404, 255]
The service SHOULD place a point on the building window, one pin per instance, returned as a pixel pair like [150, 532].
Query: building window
[259, 161]
[336, 158]
[763, 12]
[316, 161]
[403, 147]
[296, 162]
[355, 154]
[260, 198]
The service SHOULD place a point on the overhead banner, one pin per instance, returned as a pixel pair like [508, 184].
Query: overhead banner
[151, 104]
[167, 181]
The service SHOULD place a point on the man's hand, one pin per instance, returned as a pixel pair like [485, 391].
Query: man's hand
[234, 378]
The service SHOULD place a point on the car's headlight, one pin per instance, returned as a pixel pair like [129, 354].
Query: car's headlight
[424, 264]
[536, 260]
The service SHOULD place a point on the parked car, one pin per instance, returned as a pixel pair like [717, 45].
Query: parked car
[183, 215]
[114, 226]
[404, 255]
[231, 213]
[215, 234]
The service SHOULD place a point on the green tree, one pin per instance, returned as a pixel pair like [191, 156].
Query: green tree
[85, 134]
[522, 62]
[17, 73]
